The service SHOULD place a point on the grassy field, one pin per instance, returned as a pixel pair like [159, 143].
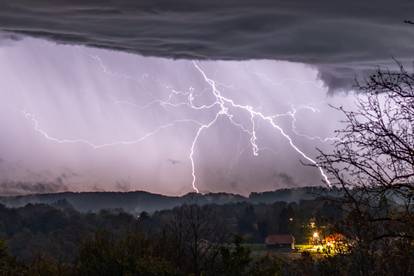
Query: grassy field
[260, 249]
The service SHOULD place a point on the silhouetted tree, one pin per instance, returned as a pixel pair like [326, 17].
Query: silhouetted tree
[8, 264]
[196, 234]
[133, 254]
[373, 161]
[236, 259]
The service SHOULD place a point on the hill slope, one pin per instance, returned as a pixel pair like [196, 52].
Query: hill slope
[139, 201]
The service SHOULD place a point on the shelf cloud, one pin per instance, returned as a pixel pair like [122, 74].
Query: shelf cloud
[342, 39]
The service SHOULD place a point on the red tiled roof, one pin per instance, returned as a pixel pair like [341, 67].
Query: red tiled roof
[279, 239]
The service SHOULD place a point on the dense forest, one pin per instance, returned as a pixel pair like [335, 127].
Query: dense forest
[42, 229]
[210, 239]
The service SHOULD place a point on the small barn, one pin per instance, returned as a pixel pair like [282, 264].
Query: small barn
[280, 242]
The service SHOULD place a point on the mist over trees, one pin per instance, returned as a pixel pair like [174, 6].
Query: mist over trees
[139, 201]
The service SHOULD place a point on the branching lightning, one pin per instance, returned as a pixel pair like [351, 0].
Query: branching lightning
[225, 103]
[293, 114]
[46, 135]
[221, 106]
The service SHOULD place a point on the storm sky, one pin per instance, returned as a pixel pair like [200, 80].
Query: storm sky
[90, 98]
[341, 38]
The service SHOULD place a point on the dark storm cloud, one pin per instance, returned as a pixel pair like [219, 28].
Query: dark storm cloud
[285, 179]
[173, 161]
[20, 187]
[7, 39]
[341, 38]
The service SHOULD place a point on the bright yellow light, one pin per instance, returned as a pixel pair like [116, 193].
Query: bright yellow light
[315, 235]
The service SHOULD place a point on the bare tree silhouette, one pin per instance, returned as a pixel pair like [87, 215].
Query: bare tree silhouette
[373, 161]
[197, 233]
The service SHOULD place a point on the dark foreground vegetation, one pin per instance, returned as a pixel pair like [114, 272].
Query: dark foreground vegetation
[368, 230]
[190, 240]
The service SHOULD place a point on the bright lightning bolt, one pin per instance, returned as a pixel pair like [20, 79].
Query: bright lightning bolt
[46, 135]
[193, 145]
[293, 114]
[224, 105]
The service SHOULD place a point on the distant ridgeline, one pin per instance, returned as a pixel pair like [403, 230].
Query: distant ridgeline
[139, 201]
